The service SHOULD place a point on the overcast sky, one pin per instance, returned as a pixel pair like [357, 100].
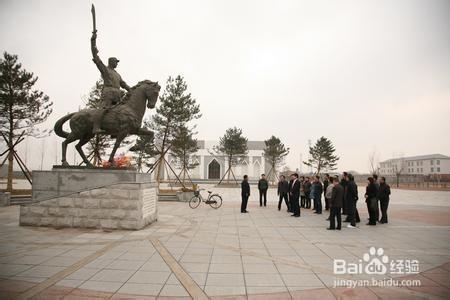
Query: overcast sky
[366, 74]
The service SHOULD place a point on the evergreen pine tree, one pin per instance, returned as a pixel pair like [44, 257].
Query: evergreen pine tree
[275, 152]
[177, 108]
[21, 106]
[183, 148]
[322, 156]
[233, 145]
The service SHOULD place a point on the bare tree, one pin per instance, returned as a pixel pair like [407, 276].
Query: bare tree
[374, 162]
[399, 167]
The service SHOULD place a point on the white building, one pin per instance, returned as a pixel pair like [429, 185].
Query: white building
[432, 164]
[213, 167]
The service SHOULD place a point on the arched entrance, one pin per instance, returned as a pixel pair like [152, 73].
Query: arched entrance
[256, 169]
[214, 170]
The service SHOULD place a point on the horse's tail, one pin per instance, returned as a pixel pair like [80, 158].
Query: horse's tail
[58, 128]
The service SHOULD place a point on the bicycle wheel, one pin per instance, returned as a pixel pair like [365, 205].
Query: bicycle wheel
[215, 201]
[194, 202]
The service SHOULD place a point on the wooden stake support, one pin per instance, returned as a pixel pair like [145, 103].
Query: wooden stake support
[19, 161]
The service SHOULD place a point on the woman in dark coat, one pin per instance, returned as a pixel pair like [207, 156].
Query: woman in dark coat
[371, 200]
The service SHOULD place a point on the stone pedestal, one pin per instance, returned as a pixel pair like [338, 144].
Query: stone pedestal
[84, 198]
[63, 181]
[184, 196]
[5, 198]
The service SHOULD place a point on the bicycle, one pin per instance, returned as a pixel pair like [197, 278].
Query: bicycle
[214, 200]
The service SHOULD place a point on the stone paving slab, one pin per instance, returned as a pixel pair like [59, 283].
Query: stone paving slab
[265, 254]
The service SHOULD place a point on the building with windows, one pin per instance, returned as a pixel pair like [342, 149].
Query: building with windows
[432, 164]
[213, 167]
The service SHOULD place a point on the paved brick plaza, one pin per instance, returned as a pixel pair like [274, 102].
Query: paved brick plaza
[216, 253]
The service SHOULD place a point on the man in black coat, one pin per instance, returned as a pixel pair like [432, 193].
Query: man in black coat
[289, 192]
[317, 195]
[351, 200]
[294, 195]
[337, 198]
[307, 189]
[344, 185]
[371, 201]
[263, 185]
[283, 190]
[245, 193]
[302, 192]
[377, 209]
[383, 196]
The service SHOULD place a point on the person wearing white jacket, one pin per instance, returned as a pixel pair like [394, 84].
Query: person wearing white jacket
[328, 193]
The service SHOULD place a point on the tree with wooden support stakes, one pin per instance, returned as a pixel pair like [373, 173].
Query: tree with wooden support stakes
[162, 161]
[322, 156]
[183, 148]
[275, 152]
[177, 108]
[233, 146]
[11, 149]
[21, 109]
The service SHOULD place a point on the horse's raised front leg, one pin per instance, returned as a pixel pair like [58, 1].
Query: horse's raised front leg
[119, 140]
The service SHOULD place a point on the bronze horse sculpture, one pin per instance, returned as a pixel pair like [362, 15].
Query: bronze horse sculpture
[119, 121]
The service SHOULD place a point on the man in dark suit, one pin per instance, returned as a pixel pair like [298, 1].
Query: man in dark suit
[377, 209]
[302, 192]
[245, 193]
[383, 196]
[283, 190]
[263, 185]
[294, 195]
[337, 198]
[289, 193]
[307, 189]
[351, 196]
[344, 185]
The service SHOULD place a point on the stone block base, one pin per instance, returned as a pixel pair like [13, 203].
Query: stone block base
[64, 181]
[115, 206]
[184, 196]
[5, 198]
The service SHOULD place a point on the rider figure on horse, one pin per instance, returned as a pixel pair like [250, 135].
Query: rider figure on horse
[112, 82]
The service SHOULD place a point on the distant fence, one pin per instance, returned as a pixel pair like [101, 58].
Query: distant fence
[441, 181]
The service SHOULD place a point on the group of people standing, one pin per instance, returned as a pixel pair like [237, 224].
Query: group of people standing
[340, 195]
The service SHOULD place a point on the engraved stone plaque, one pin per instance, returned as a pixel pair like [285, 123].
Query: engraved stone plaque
[149, 202]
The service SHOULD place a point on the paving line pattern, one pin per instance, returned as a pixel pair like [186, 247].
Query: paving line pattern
[189, 284]
[66, 272]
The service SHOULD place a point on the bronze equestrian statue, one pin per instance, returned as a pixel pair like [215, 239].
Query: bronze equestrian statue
[118, 117]
[119, 121]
